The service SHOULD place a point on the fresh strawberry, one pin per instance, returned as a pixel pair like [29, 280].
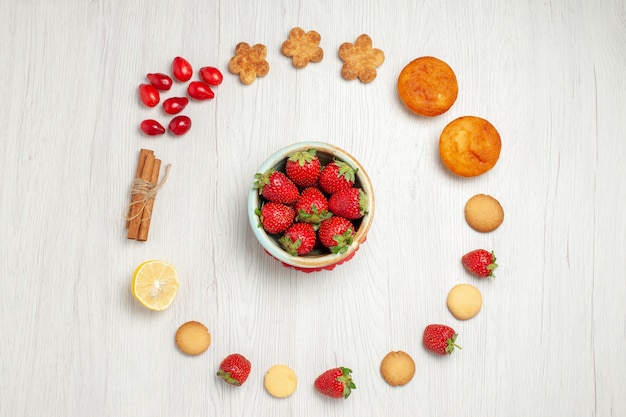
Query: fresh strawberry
[299, 239]
[336, 176]
[235, 369]
[275, 218]
[336, 234]
[480, 263]
[335, 383]
[303, 168]
[276, 187]
[312, 206]
[350, 203]
[440, 339]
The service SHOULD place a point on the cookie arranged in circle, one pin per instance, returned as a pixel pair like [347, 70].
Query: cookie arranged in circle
[397, 368]
[428, 86]
[280, 381]
[464, 301]
[193, 338]
[469, 146]
[483, 213]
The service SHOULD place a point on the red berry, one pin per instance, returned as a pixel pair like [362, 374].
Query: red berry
[151, 127]
[275, 218]
[174, 105]
[303, 168]
[336, 233]
[312, 206]
[211, 75]
[181, 69]
[480, 263]
[440, 339]
[180, 125]
[149, 95]
[160, 81]
[350, 203]
[276, 187]
[235, 369]
[336, 176]
[199, 90]
[335, 383]
[299, 239]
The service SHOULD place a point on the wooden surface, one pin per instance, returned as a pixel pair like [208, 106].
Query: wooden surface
[549, 340]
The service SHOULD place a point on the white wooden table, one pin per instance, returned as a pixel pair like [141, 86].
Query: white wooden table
[550, 338]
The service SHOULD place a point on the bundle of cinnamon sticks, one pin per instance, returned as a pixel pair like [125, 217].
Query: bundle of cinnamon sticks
[142, 195]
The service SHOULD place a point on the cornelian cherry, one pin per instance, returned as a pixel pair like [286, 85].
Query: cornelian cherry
[151, 127]
[160, 81]
[211, 75]
[180, 125]
[149, 95]
[199, 90]
[174, 105]
[181, 69]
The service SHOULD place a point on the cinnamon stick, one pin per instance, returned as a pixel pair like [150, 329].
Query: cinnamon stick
[143, 153]
[136, 206]
[144, 226]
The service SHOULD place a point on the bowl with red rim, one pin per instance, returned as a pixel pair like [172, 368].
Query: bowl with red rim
[320, 258]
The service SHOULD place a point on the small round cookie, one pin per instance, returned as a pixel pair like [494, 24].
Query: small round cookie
[469, 146]
[193, 338]
[464, 301]
[483, 213]
[280, 381]
[397, 368]
[428, 86]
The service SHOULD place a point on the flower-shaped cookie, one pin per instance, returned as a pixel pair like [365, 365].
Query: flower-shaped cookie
[303, 47]
[360, 59]
[249, 62]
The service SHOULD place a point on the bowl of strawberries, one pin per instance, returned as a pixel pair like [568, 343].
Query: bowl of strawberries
[311, 205]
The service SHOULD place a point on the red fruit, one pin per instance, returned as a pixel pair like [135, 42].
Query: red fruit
[336, 176]
[211, 75]
[181, 69]
[151, 127]
[199, 90]
[174, 105]
[480, 263]
[336, 234]
[440, 339]
[299, 239]
[235, 369]
[275, 218]
[350, 203]
[149, 95]
[303, 168]
[180, 125]
[312, 206]
[276, 187]
[160, 81]
[335, 383]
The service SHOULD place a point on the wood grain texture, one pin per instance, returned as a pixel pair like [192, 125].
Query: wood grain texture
[549, 340]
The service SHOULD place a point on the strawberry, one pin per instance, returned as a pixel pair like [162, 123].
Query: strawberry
[299, 239]
[303, 168]
[350, 203]
[480, 263]
[234, 369]
[335, 383]
[275, 218]
[312, 206]
[336, 234]
[336, 176]
[440, 339]
[276, 187]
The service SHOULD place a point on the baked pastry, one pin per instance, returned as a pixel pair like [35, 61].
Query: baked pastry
[469, 146]
[193, 338]
[464, 301]
[397, 368]
[483, 213]
[428, 86]
[280, 381]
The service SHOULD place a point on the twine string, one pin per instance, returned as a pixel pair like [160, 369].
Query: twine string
[147, 191]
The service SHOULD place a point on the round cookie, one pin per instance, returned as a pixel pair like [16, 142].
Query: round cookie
[280, 381]
[464, 301]
[469, 146]
[193, 338]
[483, 213]
[428, 86]
[397, 368]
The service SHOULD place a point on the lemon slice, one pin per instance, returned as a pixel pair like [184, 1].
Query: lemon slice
[155, 284]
